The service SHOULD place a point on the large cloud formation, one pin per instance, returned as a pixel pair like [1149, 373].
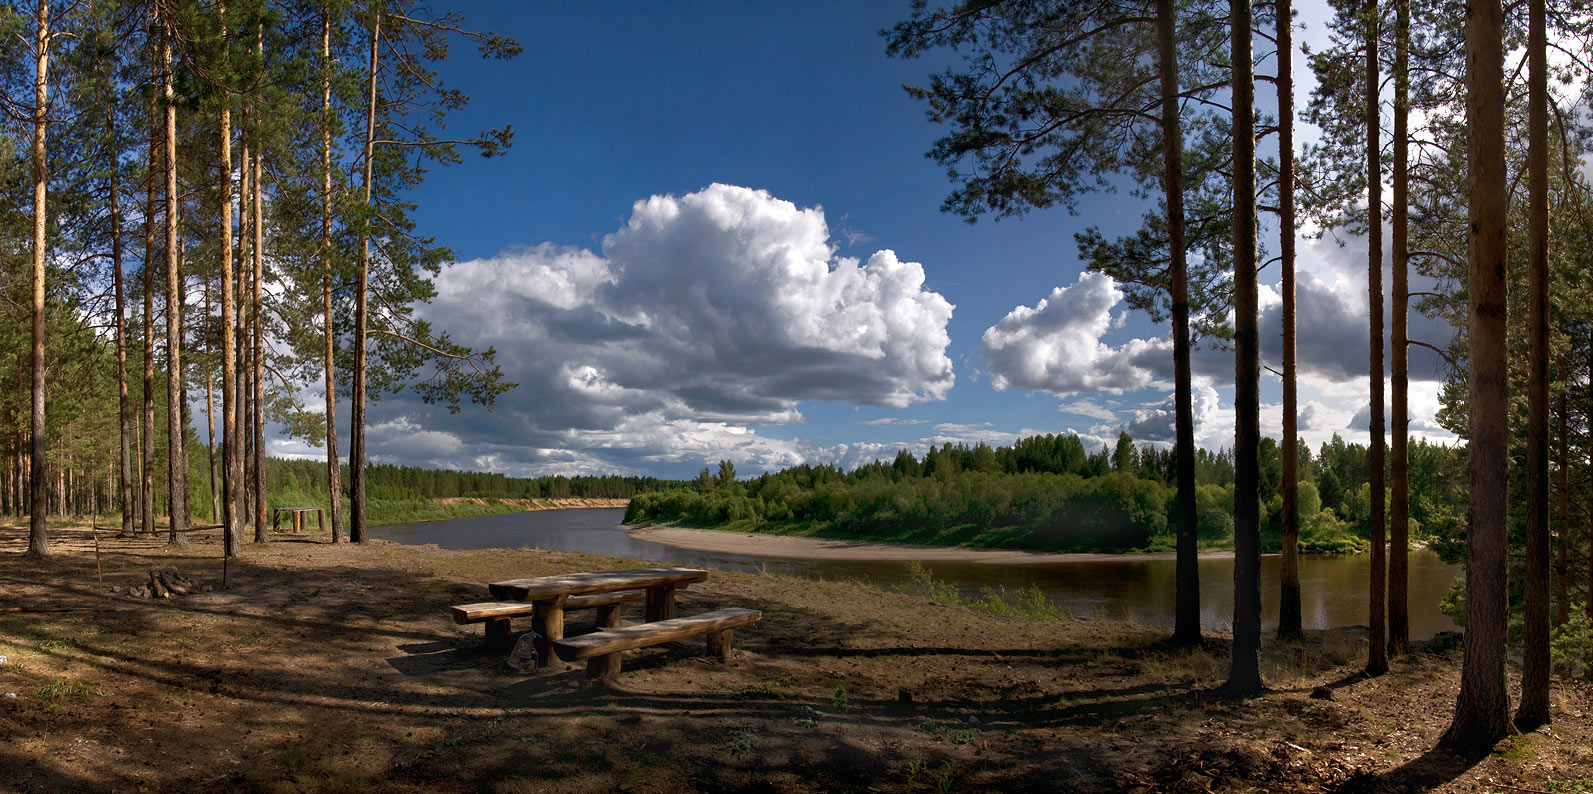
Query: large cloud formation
[1055, 346]
[703, 314]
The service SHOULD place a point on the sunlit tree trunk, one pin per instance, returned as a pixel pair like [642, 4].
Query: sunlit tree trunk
[245, 502]
[176, 449]
[333, 470]
[147, 454]
[1244, 677]
[210, 422]
[1482, 710]
[233, 475]
[1399, 499]
[1289, 594]
[356, 461]
[262, 531]
[38, 540]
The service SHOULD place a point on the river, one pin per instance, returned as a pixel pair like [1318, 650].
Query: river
[1333, 589]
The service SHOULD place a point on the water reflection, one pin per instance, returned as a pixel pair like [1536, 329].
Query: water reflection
[1333, 588]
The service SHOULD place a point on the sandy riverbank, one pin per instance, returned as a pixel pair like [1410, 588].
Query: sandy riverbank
[762, 545]
[568, 503]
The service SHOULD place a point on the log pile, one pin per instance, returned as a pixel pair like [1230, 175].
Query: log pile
[164, 583]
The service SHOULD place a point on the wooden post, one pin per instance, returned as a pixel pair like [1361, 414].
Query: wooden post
[320, 519]
[276, 518]
[498, 633]
[608, 616]
[719, 644]
[660, 603]
[549, 624]
[603, 667]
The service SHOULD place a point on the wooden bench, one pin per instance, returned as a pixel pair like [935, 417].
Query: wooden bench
[498, 614]
[601, 649]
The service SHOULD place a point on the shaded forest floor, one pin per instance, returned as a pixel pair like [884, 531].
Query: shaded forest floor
[337, 668]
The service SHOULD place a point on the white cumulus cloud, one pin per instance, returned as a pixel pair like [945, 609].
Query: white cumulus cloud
[1055, 346]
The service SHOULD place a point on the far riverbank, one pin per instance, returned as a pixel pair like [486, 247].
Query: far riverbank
[723, 541]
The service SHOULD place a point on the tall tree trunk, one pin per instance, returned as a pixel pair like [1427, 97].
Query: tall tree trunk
[1186, 627]
[38, 540]
[257, 364]
[147, 456]
[1482, 710]
[124, 468]
[1244, 677]
[356, 461]
[1534, 707]
[1377, 650]
[176, 435]
[210, 421]
[1562, 561]
[1563, 533]
[333, 473]
[245, 501]
[1289, 594]
[233, 478]
[1399, 535]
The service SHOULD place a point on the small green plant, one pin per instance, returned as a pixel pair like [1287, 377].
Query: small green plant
[841, 702]
[1579, 786]
[914, 768]
[62, 687]
[739, 741]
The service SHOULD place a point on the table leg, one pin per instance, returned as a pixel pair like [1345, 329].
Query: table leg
[276, 519]
[320, 520]
[549, 623]
[298, 519]
[660, 603]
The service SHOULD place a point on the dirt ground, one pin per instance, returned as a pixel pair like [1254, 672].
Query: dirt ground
[337, 668]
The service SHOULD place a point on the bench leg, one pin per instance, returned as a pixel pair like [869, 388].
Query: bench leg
[498, 632]
[608, 617]
[550, 624]
[660, 603]
[605, 666]
[719, 644]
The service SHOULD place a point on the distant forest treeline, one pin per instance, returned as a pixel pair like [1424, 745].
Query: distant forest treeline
[1051, 492]
[390, 482]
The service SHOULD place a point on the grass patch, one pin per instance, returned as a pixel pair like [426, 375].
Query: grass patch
[63, 687]
[1027, 603]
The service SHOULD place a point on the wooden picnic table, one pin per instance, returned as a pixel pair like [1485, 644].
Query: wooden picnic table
[549, 594]
[297, 517]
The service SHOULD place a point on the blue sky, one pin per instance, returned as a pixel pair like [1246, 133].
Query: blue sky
[749, 152]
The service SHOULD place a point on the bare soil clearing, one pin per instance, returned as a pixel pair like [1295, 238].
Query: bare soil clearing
[338, 668]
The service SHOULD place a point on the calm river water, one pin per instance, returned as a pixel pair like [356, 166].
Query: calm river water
[1333, 588]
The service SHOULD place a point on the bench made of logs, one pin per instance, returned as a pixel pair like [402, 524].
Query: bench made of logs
[602, 648]
[497, 614]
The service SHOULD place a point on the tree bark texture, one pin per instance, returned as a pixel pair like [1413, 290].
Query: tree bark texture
[38, 539]
[1399, 498]
[1482, 709]
[1377, 650]
[176, 435]
[1186, 623]
[1534, 707]
[333, 470]
[356, 461]
[1244, 676]
[1289, 592]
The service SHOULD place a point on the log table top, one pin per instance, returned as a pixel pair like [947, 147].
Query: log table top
[571, 584]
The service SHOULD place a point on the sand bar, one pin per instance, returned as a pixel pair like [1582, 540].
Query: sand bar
[761, 545]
